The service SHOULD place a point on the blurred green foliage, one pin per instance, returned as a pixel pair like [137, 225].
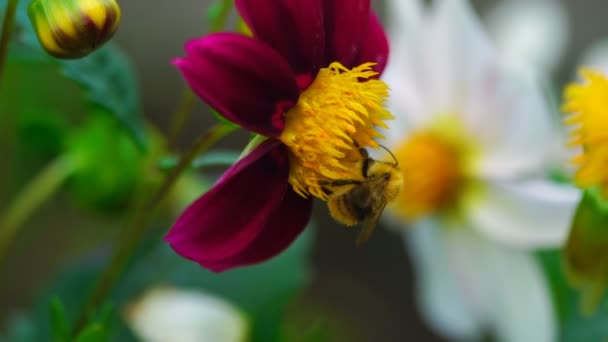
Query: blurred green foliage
[574, 325]
[109, 168]
[264, 292]
[586, 250]
[106, 77]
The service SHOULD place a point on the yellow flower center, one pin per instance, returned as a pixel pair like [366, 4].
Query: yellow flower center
[588, 103]
[334, 116]
[431, 168]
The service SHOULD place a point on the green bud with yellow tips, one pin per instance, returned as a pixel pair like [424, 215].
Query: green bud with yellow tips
[73, 28]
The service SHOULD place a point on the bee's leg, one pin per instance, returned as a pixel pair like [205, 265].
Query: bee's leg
[342, 182]
[363, 151]
[367, 161]
[327, 187]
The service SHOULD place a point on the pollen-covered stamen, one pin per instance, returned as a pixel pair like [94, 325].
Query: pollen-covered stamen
[334, 116]
[588, 104]
[432, 173]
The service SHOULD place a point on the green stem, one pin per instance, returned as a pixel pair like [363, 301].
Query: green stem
[181, 116]
[7, 29]
[219, 21]
[40, 189]
[137, 227]
[143, 216]
[188, 99]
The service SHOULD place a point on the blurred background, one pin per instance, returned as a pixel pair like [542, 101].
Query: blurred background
[369, 287]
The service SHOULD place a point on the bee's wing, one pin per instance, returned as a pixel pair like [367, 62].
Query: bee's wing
[369, 224]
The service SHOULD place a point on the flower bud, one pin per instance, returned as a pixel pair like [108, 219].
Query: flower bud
[109, 165]
[586, 251]
[73, 28]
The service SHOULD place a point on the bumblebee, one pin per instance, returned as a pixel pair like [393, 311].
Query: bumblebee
[353, 202]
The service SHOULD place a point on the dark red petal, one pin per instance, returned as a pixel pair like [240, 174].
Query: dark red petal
[375, 46]
[242, 78]
[346, 23]
[282, 227]
[227, 219]
[293, 27]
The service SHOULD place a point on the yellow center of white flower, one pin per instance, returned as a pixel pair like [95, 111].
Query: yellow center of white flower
[435, 165]
[588, 103]
[334, 116]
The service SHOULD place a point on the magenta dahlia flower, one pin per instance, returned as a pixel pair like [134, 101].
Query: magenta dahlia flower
[306, 80]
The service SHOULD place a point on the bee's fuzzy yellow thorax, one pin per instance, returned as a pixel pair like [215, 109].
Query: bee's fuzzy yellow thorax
[432, 172]
[334, 116]
[588, 103]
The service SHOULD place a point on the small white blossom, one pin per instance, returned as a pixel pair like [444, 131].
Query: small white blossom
[168, 314]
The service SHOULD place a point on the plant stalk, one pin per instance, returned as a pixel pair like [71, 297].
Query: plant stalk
[137, 227]
[7, 30]
[37, 192]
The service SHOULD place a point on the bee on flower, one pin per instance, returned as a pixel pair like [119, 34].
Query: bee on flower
[473, 137]
[307, 80]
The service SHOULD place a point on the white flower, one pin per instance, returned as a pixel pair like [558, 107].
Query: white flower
[473, 137]
[167, 314]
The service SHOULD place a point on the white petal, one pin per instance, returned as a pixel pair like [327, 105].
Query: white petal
[166, 314]
[441, 300]
[522, 306]
[512, 121]
[403, 70]
[456, 51]
[596, 56]
[405, 102]
[522, 28]
[469, 285]
[405, 17]
[529, 214]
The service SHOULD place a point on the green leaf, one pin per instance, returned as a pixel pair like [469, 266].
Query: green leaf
[586, 251]
[208, 159]
[93, 333]
[60, 325]
[573, 324]
[39, 111]
[261, 291]
[106, 76]
[108, 79]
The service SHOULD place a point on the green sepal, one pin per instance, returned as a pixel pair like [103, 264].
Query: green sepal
[586, 251]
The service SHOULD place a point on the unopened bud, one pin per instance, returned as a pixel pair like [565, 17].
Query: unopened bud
[73, 28]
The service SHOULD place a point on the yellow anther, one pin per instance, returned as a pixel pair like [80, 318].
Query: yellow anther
[334, 116]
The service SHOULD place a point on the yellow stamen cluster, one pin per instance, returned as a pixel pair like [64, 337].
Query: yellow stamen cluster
[432, 172]
[588, 104]
[337, 113]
